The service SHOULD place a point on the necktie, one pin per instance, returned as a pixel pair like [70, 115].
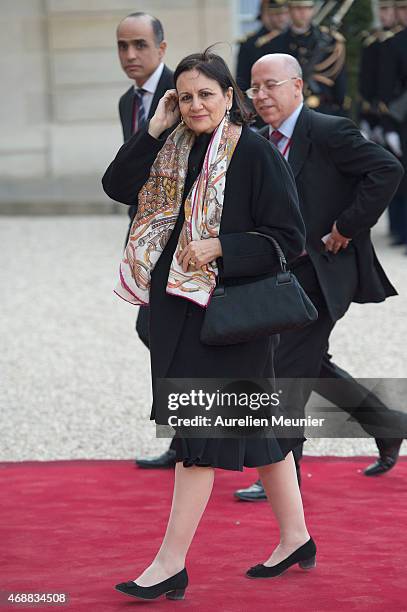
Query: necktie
[275, 137]
[139, 115]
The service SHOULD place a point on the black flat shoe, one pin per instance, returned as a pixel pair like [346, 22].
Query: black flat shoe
[173, 588]
[304, 556]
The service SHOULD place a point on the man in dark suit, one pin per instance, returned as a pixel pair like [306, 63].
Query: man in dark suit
[141, 46]
[344, 184]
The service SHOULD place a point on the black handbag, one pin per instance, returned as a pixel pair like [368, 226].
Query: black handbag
[266, 306]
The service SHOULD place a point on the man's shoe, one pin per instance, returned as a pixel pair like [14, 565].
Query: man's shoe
[166, 460]
[253, 493]
[256, 491]
[387, 460]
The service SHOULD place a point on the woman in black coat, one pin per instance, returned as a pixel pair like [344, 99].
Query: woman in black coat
[200, 192]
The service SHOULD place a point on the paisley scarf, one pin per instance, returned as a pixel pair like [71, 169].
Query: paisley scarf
[159, 203]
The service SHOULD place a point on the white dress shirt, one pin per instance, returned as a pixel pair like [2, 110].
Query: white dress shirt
[150, 86]
[287, 129]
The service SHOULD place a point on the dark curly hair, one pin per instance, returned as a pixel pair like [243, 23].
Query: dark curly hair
[214, 67]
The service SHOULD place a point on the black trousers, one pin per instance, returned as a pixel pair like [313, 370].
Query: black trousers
[304, 354]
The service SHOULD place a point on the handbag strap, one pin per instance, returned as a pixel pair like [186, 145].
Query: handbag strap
[281, 258]
[277, 248]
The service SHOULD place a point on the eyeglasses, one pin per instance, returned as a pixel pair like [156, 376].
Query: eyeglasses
[253, 92]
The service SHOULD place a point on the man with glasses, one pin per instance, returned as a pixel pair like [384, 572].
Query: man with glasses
[320, 52]
[344, 184]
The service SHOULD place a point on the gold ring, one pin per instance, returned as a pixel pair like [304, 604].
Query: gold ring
[192, 263]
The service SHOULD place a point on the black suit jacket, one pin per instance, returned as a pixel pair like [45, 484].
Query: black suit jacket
[342, 177]
[126, 102]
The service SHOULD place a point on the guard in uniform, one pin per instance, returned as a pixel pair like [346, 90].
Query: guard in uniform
[274, 18]
[368, 98]
[393, 112]
[321, 54]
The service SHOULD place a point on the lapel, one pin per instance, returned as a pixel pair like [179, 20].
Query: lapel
[300, 141]
[127, 113]
[166, 82]
[264, 131]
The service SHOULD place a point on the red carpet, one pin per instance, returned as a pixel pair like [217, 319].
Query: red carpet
[81, 526]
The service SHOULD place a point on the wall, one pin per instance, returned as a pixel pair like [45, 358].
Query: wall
[62, 79]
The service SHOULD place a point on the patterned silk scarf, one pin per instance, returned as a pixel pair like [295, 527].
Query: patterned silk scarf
[159, 203]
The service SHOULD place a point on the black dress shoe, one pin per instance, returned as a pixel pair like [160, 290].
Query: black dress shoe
[387, 460]
[253, 493]
[304, 556]
[174, 588]
[256, 491]
[166, 460]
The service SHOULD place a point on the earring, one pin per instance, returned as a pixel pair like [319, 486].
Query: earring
[227, 113]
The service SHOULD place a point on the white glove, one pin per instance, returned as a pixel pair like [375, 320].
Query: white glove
[393, 142]
[377, 135]
[365, 129]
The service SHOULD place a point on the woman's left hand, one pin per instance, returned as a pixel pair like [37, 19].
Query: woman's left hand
[198, 253]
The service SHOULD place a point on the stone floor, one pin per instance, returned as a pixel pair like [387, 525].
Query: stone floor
[75, 379]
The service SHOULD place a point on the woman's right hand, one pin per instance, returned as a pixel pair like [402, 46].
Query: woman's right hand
[166, 115]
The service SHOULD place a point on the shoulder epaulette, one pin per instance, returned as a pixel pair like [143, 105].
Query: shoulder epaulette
[365, 33]
[372, 38]
[263, 40]
[385, 35]
[244, 38]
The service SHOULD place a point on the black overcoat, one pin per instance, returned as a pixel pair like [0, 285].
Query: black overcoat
[260, 195]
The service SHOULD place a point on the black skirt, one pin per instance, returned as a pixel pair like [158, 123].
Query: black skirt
[201, 361]
[233, 453]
